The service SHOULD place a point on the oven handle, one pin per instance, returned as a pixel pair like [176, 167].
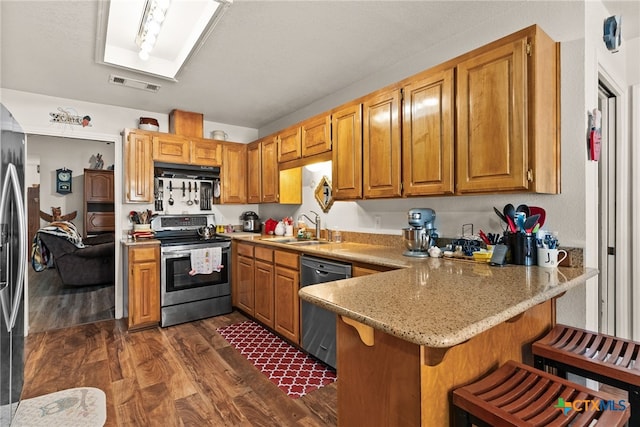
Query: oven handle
[177, 254]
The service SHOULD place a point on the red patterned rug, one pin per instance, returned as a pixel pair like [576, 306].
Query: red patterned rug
[292, 370]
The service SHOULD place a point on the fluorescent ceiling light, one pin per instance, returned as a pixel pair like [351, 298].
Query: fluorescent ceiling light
[186, 26]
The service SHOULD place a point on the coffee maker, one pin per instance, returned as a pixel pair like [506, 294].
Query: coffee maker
[421, 235]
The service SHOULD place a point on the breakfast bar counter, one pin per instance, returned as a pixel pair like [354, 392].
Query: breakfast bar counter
[409, 336]
[406, 338]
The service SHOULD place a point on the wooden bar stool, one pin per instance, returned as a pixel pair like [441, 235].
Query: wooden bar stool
[520, 395]
[603, 358]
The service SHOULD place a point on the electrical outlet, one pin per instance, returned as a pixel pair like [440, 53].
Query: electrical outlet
[377, 221]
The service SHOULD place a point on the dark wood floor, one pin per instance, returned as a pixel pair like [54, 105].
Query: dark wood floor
[183, 375]
[53, 305]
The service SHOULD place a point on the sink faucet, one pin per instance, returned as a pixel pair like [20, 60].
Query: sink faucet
[315, 222]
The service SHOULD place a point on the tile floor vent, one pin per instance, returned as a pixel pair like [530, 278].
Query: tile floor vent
[137, 84]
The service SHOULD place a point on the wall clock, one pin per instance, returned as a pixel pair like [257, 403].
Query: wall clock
[63, 181]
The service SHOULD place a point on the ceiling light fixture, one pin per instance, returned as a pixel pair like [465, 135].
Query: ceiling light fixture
[129, 36]
[154, 13]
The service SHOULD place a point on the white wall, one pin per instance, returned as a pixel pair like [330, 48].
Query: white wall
[53, 154]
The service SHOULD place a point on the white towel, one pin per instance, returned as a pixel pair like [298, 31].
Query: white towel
[205, 260]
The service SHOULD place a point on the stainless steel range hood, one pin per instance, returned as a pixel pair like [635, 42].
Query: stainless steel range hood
[172, 170]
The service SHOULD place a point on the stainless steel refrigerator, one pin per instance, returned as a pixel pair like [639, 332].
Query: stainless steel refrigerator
[13, 261]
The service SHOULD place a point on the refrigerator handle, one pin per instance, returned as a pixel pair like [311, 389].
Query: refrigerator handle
[11, 182]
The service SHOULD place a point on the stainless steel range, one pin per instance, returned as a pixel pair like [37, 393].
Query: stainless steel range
[185, 296]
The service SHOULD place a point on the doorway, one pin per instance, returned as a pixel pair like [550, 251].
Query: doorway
[51, 304]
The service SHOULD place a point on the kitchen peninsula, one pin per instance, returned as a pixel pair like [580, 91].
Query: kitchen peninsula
[409, 336]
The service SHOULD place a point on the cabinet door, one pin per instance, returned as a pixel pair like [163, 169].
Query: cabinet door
[491, 153]
[427, 135]
[171, 149]
[138, 168]
[98, 186]
[205, 152]
[270, 170]
[316, 135]
[287, 303]
[245, 285]
[381, 145]
[96, 222]
[144, 286]
[346, 135]
[234, 173]
[289, 145]
[264, 293]
[254, 172]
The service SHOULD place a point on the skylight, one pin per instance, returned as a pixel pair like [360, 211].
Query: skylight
[186, 26]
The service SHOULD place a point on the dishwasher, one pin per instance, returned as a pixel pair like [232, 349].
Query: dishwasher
[318, 324]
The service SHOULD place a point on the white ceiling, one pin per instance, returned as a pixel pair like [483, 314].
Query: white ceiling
[265, 59]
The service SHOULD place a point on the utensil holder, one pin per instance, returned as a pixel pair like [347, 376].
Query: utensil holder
[523, 248]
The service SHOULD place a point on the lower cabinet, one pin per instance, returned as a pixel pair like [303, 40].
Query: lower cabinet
[287, 302]
[144, 285]
[266, 287]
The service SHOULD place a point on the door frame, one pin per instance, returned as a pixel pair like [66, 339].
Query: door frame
[623, 258]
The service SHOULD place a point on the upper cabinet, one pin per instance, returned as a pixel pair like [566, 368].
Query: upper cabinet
[381, 145]
[427, 134]
[346, 136]
[316, 135]
[138, 167]
[507, 116]
[183, 150]
[254, 172]
[289, 144]
[270, 178]
[234, 174]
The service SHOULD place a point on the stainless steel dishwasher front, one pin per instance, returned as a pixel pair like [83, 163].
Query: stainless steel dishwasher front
[318, 324]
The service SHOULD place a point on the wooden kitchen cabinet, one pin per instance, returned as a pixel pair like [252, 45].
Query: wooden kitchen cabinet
[138, 167]
[316, 135]
[264, 286]
[99, 214]
[270, 176]
[381, 145]
[287, 302]
[507, 115]
[428, 134]
[289, 144]
[206, 152]
[144, 285]
[346, 136]
[244, 282]
[254, 172]
[234, 173]
[171, 148]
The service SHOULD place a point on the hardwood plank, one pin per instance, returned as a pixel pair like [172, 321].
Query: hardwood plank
[185, 375]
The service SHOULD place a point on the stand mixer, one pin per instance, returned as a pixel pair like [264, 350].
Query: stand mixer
[421, 235]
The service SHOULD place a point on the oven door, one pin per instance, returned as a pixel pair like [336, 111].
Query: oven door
[179, 287]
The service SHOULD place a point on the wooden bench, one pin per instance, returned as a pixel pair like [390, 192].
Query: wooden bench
[603, 358]
[520, 395]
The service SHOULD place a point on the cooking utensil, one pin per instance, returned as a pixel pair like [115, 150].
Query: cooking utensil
[530, 223]
[519, 220]
[170, 194]
[536, 210]
[524, 209]
[189, 202]
[500, 215]
[509, 214]
[184, 189]
[484, 237]
[195, 192]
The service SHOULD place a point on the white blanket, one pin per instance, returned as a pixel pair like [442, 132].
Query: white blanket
[205, 260]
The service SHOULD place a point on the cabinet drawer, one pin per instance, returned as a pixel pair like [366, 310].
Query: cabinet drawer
[142, 254]
[100, 221]
[245, 250]
[264, 254]
[288, 259]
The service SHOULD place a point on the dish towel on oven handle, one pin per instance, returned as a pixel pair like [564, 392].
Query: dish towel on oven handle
[205, 261]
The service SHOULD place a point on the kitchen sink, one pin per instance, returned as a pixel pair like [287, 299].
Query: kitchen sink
[308, 242]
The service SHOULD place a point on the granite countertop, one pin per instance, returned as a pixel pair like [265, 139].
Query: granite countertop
[435, 302]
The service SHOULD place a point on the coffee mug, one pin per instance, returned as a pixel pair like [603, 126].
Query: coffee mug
[549, 257]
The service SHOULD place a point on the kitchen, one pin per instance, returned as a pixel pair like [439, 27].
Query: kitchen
[32, 111]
